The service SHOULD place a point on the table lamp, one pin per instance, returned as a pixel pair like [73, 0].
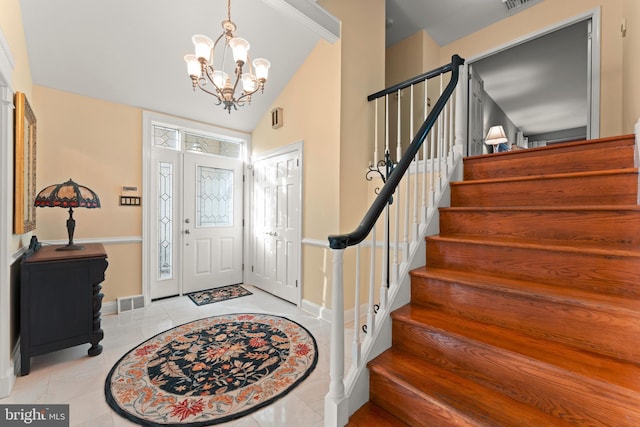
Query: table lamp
[497, 138]
[68, 195]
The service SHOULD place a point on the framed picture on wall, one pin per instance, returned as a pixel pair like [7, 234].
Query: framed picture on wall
[24, 179]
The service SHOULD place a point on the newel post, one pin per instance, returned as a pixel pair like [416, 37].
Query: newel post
[336, 408]
[461, 113]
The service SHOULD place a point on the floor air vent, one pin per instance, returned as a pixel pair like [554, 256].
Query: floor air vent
[130, 303]
[515, 6]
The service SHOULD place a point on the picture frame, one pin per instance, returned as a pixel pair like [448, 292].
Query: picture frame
[24, 189]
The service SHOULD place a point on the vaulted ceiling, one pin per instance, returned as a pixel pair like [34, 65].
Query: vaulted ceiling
[131, 52]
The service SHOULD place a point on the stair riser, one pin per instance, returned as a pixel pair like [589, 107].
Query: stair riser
[605, 332]
[614, 229]
[410, 407]
[568, 162]
[551, 390]
[606, 189]
[615, 275]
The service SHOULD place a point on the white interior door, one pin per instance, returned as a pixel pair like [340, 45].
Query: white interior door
[212, 229]
[476, 120]
[276, 225]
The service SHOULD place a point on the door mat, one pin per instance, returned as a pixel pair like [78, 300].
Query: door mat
[218, 294]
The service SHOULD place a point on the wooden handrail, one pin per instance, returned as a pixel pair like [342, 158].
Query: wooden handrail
[343, 241]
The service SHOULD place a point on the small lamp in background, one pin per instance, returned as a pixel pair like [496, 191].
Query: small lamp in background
[68, 195]
[497, 138]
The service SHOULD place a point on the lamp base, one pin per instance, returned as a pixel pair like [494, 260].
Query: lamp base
[70, 247]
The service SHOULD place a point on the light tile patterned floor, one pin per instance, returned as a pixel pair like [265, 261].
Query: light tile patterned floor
[69, 376]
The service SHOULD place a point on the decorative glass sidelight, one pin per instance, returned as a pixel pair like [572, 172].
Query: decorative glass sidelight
[214, 197]
[165, 220]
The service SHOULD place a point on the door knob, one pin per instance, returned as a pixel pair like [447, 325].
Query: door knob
[187, 221]
[187, 231]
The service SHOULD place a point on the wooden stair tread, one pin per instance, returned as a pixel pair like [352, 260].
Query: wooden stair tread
[470, 401]
[613, 141]
[371, 414]
[623, 171]
[571, 296]
[615, 228]
[594, 369]
[613, 208]
[543, 245]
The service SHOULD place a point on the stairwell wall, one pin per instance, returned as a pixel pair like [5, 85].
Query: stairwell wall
[631, 65]
[546, 14]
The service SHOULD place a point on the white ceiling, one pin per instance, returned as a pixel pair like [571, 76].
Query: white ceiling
[130, 51]
[444, 20]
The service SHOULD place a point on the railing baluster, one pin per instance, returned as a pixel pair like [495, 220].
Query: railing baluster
[425, 158]
[375, 139]
[397, 198]
[371, 316]
[385, 259]
[437, 150]
[399, 129]
[355, 346]
[386, 124]
[405, 245]
[440, 145]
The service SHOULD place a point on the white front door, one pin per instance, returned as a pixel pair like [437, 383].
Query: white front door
[276, 225]
[212, 228]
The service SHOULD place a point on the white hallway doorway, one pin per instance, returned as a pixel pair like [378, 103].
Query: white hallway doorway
[276, 219]
[192, 206]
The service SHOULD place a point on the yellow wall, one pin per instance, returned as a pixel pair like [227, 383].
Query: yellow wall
[325, 105]
[11, 24]
[409, 57]
[97, 144]
[311, 111]
[544, 15]
[631, 66]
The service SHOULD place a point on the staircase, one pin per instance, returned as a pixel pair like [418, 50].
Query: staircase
[528, 310]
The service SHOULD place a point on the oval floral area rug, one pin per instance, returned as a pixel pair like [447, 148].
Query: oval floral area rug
[211, 370]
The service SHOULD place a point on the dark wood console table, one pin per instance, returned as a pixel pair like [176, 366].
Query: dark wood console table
[60, 300]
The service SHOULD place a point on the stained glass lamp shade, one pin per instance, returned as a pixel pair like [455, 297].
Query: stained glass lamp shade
[68, 195]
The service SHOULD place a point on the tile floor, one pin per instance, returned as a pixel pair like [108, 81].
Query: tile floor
[69, 376]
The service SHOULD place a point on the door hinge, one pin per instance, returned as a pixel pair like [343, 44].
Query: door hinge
[252, 268]
[298, 162]
[296, 283]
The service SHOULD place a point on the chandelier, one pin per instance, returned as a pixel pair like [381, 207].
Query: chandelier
[214, 80]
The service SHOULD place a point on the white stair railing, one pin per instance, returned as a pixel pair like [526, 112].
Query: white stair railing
[414, 186]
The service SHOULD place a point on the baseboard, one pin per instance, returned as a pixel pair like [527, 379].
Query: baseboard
[9, 378]
[110, 307]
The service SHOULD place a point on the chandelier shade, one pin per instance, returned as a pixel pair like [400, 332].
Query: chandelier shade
[214, 80]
